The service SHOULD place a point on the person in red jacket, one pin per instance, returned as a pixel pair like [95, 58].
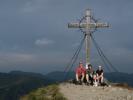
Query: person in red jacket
[80, 73]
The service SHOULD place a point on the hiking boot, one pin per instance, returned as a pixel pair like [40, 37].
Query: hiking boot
[88, 83]
[81, 82]
[77, 82]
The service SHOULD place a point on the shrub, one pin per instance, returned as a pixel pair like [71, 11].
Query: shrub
[50, 92]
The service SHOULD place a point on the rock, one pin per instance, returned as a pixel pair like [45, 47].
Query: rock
[83, 92]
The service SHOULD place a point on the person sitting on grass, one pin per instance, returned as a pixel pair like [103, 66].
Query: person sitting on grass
[80, 73]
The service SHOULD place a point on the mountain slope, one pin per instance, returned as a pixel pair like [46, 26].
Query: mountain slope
[16, 83]
[67, 91]
[50, 92]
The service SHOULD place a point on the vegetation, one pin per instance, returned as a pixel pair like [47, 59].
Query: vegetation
[50, 92]
[15, 84]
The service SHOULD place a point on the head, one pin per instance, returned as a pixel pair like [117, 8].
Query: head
[80, 64]
[99, 67]
[89, 66]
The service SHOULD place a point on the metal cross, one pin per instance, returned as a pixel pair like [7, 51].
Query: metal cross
[88, 25]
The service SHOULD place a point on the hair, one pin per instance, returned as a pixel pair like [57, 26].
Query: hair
[80, 62]
[89, 65]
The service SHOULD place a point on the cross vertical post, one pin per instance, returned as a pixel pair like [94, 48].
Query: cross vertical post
[87, 38]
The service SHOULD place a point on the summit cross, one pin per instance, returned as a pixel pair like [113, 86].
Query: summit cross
[88, 25]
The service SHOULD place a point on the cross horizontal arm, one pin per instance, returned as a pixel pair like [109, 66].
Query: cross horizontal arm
[102, 25]
[73, 25]
[90, 25]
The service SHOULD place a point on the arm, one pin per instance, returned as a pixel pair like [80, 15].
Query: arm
[101, 74]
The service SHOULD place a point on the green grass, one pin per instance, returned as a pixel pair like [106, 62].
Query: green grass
[50, 92]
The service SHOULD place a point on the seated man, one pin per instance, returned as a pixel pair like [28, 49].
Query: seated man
[99, 73]
[80, 73]
[89, 74]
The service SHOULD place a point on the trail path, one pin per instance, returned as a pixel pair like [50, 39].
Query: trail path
[83, 92]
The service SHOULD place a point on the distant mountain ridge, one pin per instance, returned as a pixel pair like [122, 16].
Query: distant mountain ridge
[117, 77]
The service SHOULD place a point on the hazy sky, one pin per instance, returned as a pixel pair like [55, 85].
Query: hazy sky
[34, 34]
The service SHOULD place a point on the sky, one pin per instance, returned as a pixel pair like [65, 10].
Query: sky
[34, 36]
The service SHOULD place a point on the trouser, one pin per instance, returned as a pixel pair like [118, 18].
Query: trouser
[89, 78]
[80, 77]
[100, 79]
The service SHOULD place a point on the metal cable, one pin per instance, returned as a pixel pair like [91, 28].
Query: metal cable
[102, 55]
[73, 60]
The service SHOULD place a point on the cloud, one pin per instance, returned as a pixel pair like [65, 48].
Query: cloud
[44, 42]
[76, 44]
[28, 7]
[32, 61]
[15, 58]
[32, 6]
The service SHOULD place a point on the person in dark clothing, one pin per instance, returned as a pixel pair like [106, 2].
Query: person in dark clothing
[99, 73]
[89, 74]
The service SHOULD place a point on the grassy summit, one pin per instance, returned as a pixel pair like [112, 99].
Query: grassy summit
[50, 92]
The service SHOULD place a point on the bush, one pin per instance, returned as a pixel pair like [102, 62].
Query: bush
[50, 92]
[59, 96]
